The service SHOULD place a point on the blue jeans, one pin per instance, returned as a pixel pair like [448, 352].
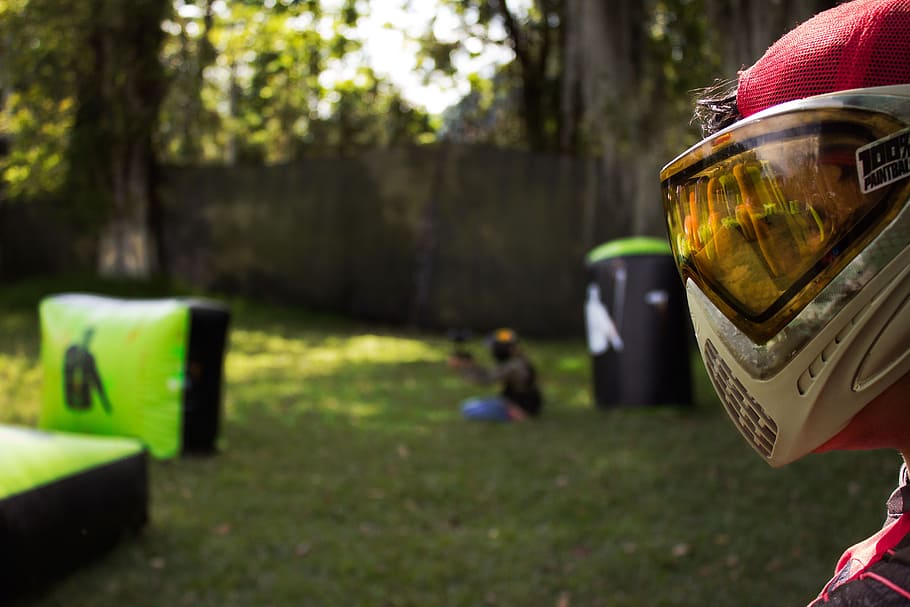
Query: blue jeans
[490, 408]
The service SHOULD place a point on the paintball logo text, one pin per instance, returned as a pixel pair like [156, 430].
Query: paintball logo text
[884, 161]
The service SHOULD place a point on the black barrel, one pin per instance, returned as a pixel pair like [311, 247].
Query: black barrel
[639, 333]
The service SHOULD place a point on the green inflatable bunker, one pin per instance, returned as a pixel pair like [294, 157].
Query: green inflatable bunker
[149, 369]
[64, 499]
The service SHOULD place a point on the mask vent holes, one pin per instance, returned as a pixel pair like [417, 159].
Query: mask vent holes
[805, 381]
[845, 332]
[753, 422]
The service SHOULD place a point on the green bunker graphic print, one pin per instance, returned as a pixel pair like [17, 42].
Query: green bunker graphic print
[115, 369]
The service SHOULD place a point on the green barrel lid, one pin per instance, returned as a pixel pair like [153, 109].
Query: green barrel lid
[634, 245]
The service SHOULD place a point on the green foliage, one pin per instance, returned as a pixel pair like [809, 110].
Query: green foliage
[38, 127]
[246, 80]
[260, 88]
[532, 83]
[684, 50]
[270, 80]
[487, 114]
[525, 104]
[38, 42]
[347, 477]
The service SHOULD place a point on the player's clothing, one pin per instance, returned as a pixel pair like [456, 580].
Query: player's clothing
[519, 381]
[876, 571]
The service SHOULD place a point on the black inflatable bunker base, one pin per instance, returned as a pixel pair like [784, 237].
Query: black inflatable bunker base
[64, 500]
[207, 342]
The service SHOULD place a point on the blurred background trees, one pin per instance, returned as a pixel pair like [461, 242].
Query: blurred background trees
[98, 95]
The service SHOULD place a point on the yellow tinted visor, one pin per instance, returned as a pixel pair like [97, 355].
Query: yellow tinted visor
[763, 215]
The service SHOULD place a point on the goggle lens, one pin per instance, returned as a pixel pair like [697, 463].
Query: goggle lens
[763, 216]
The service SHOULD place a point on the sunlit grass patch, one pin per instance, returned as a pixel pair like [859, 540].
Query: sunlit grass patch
[337, 375]
[254, 351]
[346, 476]
[20, 388]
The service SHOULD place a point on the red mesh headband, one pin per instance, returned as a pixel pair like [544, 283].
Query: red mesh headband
[858, 44]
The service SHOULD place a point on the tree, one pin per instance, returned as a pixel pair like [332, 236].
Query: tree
[271, 81]
[98, 92]
[530, 87]
[186, 55]
[111, 163]
[38, 41]
[637, 67]
[82, 89]
[537, 42]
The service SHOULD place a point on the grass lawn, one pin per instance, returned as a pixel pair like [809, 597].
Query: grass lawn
[346, 477]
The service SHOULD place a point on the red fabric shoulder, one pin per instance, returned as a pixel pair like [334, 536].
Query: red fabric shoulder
[858, 558]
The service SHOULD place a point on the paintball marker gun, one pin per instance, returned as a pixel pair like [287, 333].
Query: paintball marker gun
[459, 339]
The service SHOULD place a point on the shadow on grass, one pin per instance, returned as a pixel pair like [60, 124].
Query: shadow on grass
[346, 476]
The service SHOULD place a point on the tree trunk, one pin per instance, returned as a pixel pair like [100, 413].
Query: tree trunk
[621, 88]
[111, 157]
[757, 24]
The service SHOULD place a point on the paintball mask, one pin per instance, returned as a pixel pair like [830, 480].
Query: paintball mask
[791, 231]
